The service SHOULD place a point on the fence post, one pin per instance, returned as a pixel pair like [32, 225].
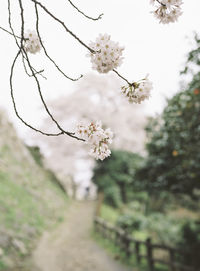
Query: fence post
[171, 252]
[149, 254]
[137, 251]
[127, 245]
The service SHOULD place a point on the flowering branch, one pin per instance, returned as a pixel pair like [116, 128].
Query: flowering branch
[167, 11]
[25, 56]
[106, 56]
[91, 18]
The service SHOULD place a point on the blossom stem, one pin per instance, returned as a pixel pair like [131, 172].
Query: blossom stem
[161, 3]
[91, 18]
[130, 84]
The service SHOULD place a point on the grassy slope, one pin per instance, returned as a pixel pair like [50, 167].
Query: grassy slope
[29, 200]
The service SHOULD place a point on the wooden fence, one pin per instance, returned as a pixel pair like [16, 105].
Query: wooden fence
[130, 247]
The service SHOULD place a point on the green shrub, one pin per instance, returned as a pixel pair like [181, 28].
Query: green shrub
[132, 222]
[112, 196]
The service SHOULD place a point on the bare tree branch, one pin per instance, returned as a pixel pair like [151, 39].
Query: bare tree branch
[14, 104]
[37, 81]
[26, 71]
[9, 32]
[45, 51]
[63, 24]
[91, 18]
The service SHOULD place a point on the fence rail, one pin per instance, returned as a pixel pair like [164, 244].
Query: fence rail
[132, 247]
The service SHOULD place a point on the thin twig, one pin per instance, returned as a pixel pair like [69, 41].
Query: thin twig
[161, 3]
[63, 24]
[14, 104]
[122, 77]
[45, 51]
[26, 71]
[10, 24]
[9, 32]
[36, 79]
[91, 18]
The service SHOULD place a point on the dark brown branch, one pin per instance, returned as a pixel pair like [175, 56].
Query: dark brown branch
[14, 104]
[26, 71]
[36, 79]
[10, 24]
[45, 51]
[130, 84]
[13, 34]
[9, 32]
[161, 3]
[63, 24]
[91, 18]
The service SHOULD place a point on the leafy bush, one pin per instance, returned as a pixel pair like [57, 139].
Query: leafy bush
[112, 196]
[117, 171]
[163, 229]
[132, 222]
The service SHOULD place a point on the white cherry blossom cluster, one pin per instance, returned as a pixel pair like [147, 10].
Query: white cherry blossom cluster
[108, 54]
[138, 91]
[32, 42]
[167, 11]
[97, 138]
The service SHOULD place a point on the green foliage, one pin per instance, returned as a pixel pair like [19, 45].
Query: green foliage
[131, 222]
[173, 163]
[190, 243]
[3, 266]
[30, 199]
[109, 214]
[164, 229]
[17, 205]
[115, 176]
[193, 59]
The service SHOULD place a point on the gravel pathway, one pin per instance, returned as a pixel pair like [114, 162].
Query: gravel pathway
[70, 248]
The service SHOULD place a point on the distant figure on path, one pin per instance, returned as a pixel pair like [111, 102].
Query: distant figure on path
[87, 192]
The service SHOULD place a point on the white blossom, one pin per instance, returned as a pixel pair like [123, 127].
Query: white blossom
[167, 11]
[32, 42]
[97, 138]
[138, 91]
[108, 54]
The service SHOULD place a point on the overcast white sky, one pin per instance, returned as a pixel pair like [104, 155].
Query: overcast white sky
[150, 47]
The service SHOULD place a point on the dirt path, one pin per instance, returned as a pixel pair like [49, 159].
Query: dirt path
[70, 247]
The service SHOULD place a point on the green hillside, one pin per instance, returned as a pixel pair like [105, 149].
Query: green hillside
[30, 199]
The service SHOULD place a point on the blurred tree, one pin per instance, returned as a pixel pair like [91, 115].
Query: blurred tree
[95, 98]
[173, 163]
[115, 176]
